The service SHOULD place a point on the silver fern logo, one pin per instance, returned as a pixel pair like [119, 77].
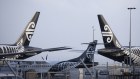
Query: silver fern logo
[30, 30]
[107, 33]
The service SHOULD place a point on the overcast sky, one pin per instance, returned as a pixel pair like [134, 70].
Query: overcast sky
[68, 23]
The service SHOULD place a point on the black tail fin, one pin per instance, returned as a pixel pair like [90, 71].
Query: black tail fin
[27, 34]
[110, 40]
[88, 53]
[87, 56]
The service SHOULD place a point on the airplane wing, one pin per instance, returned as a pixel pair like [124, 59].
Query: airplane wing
[34, 51]
[55, 49]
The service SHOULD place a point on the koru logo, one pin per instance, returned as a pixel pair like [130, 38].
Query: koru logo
[89, 53]
[30, 30]
[107, 33]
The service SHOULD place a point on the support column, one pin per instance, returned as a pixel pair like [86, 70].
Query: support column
[81, 72]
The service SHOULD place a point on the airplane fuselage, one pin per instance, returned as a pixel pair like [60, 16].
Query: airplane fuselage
[12, 49]
[17, 50]
[122, 55]
[6, 49]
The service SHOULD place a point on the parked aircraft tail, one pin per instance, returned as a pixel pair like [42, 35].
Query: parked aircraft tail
[27, 34]
[87, 56]
[88, 53]
[110, 40]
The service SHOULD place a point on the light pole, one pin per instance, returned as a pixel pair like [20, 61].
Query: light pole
[130, 8]
[93, 32]
[93, 53]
